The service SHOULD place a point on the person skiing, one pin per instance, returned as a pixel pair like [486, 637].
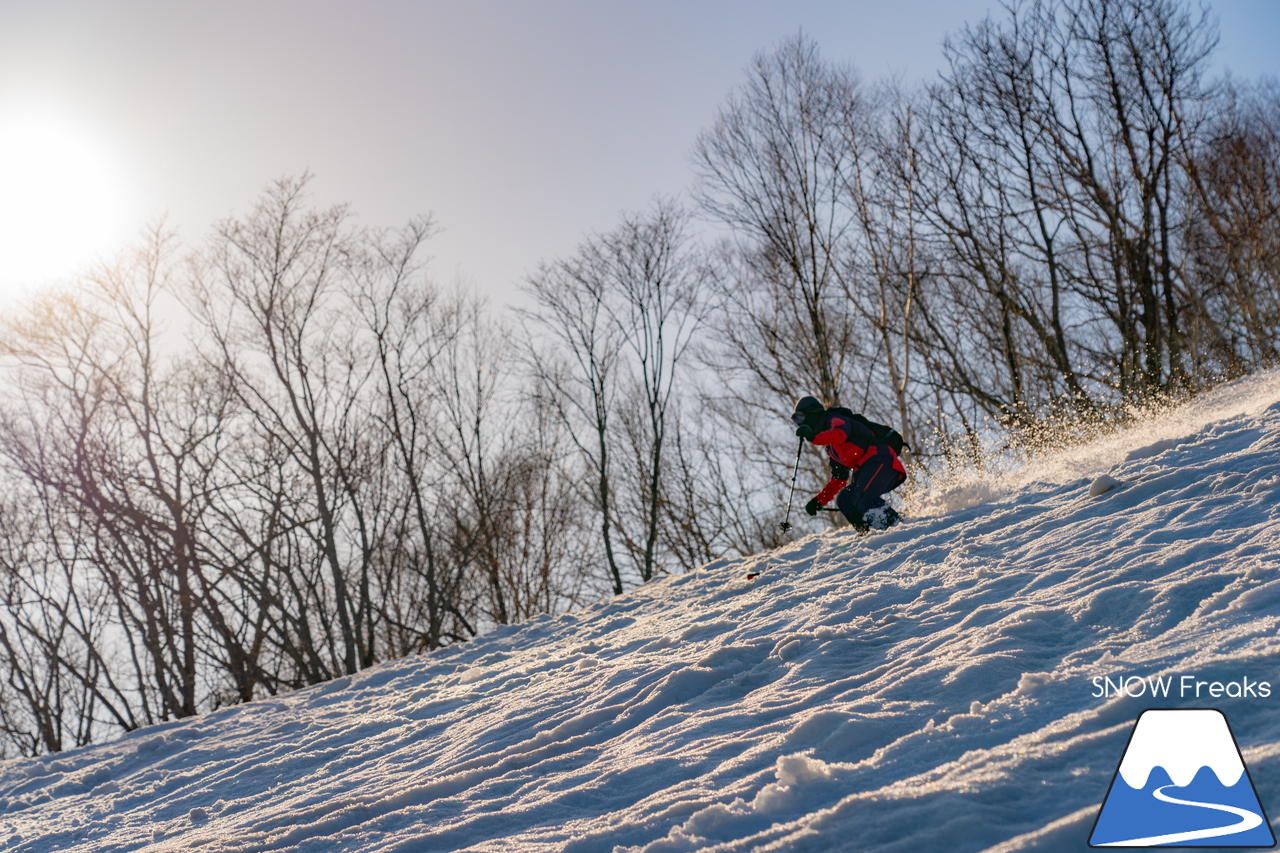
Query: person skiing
[864, 462]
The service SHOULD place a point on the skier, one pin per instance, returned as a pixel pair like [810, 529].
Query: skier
[864, 462]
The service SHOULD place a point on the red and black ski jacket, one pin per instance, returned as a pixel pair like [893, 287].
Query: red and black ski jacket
[850, 444]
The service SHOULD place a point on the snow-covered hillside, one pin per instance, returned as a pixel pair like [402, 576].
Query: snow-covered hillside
[930, 688]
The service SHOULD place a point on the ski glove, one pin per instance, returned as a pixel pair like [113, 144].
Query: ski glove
[812, 506]
[806, 432]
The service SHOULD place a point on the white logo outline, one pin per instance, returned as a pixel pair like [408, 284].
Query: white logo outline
[1249, 819]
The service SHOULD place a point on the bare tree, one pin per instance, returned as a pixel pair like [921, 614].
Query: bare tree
[115, 444]
[1061, 197]
[1234, 317]
[514, 507]
[659, 287]
[886, 262]
[622, 314]
[52, 628]
[271, 294]
[414, 327]
[773, 168]
[577, 377]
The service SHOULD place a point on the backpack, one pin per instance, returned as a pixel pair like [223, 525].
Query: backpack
[884, 434]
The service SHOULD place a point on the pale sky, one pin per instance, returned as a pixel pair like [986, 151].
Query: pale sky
[521, 126]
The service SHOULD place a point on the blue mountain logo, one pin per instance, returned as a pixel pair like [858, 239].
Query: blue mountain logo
[1182, 783]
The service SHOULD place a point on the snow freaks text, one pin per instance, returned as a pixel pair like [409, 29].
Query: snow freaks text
[1178, 687]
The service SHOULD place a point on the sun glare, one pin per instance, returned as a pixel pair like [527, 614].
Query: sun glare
[62, 203]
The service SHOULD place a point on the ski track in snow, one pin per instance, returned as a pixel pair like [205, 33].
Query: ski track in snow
[925, 688]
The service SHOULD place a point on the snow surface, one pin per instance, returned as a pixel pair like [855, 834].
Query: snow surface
[928, 688]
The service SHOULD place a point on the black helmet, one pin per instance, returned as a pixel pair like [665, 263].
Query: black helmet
[807, 408]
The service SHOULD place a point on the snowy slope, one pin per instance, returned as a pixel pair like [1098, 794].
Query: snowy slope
[927, 688]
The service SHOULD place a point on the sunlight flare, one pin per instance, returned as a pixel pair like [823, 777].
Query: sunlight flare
[63, 201]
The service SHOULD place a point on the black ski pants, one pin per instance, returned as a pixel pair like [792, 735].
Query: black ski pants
[876, 477]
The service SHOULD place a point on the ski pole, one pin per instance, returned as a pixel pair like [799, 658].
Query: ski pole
[786, 522]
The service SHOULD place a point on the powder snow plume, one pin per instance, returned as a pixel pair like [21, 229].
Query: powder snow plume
[1152, 433]
[931, 687]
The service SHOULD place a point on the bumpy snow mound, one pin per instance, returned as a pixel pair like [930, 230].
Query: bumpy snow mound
[1103, 484]
[930, 687]
[1153, 449]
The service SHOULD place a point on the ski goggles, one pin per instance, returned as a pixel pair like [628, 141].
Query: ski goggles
[797, 418]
